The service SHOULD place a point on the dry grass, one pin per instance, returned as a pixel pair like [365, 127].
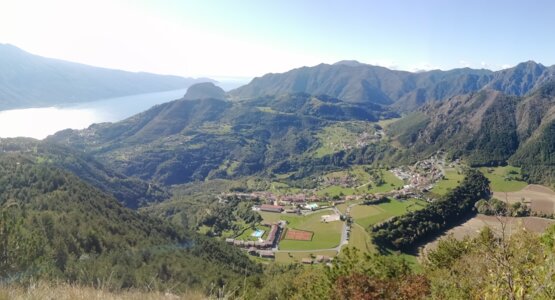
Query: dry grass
[46, 291]
[540, 198]
[472, 227]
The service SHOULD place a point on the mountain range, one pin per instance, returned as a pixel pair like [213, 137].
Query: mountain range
[276, 122]
[403, 91]
[28, 80]
[73, 205]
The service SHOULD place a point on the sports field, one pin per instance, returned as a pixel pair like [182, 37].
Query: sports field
[326, 235]
[298, 235]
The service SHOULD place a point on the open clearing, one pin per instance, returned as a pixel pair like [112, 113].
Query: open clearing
[453, 177]
[504, 179]
[473, 226]
[326, 235]
[540, 198]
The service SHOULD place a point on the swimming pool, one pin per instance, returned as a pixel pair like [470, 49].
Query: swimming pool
[258, 233]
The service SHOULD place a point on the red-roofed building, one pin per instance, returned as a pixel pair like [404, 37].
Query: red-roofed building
[271, 208]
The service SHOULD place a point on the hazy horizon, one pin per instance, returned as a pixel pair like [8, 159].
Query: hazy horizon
[249, 39]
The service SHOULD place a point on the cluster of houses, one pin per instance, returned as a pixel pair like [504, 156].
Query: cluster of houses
[262, 248]
[419, 178]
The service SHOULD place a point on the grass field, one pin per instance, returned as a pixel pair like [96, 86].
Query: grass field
[366, 215]
[326, 235]
[335, 190]
[360, 239]
[342, 207]
[282, 188]
[453, 178]
[391, 182]
[504, 179]
[296, 257]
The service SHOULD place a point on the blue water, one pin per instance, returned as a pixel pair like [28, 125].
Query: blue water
[40, 122]
[258, 233]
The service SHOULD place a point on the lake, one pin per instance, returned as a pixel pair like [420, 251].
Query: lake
[40, 122]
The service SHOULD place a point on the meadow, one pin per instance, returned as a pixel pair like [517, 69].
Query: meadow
[453, 177]
[504, 179]
[367, 215]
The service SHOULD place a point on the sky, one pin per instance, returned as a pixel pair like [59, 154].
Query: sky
[229, 39]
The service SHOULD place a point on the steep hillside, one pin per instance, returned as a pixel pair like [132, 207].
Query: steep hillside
[536, 119]
[480, 126]
[131, 192]
[487, 128]
[189, 140]
[360, 83]
[55, 226]
[28, 80]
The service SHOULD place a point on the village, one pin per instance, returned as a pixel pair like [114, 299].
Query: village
[279, 210]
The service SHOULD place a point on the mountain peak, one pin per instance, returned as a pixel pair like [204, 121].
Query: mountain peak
[530, 65]
[204, 90]
[350, 63]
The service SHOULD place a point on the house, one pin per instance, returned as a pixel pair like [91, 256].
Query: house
[272, 235]
[311, 206]
[271, 208]
[229, 241]
[306, 261]
[322, 259]
[266, 253]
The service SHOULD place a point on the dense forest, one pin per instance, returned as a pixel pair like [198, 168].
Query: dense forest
[55, 226]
